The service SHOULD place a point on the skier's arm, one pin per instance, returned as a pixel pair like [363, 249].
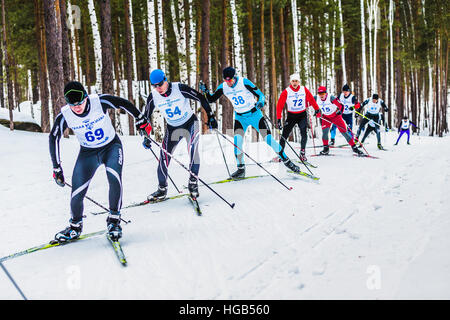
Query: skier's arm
[149, 106]
[114, 102]
[337, 103]
[54, 137]
[356, 103]
[311, 100]
[281, 102]
[385, 108]
[256, 92]
[216, 95]
[193, 94]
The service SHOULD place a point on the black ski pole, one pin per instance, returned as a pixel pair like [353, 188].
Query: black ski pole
[289, 188]
[95, 202]
[167, 174]
[285, 140]
[12, 280]
[223, 154]
[193, 174]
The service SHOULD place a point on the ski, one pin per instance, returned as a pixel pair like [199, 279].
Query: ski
[231, 180]
[365, 156]
[304, 174]
[322, 155]
[196, 205]
[51, 244]
[145, 202]
[118, 250]
[307, 163]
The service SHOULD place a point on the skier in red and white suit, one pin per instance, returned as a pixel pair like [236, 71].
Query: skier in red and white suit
[297, 98]
[331, 110]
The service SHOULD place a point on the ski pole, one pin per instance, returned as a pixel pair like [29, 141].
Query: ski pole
[12, 280]
[371, 119]
[223, 154]
[184, 167]
[167, 174]
[289, 188]
[278, 130]
[98, 204]
[312, 133]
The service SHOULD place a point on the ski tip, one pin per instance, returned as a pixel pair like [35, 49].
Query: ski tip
[290, 188]
[232, 205]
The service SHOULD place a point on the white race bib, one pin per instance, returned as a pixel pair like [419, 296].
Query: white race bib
[93, 130]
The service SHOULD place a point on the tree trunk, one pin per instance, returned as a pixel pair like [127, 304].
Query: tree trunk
[107, 53]
[54, 54]
[204, 53]
[227, 108]
[129, 64]
[273, 75]
[65, 42]
[261, 49]
[7, 70]
[284, 52]
[363, 53]
[97, 46]
[341, 24]
[43, 80]
[171, 42]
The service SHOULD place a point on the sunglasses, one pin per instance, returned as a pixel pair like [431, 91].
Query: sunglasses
[76, 95]
[228, 79]
[157, 85]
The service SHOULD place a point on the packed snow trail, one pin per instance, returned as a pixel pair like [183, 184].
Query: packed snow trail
[369, 229]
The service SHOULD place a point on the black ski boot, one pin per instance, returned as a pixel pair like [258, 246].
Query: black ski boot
[239, 173]
[72, 232]
[113, 225]
[357, 151]
[303, 155]
[332, 142]
[159, 194]
[291, 166]
[325, 151]
[193, 188]
[380, 146]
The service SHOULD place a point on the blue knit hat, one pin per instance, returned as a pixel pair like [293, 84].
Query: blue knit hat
[157, 76]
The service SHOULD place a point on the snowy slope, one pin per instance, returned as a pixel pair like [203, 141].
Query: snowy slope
[370, 229]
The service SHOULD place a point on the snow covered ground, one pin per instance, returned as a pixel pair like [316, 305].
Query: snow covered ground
[370, 229]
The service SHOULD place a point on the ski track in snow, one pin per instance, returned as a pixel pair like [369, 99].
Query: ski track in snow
[318, 241]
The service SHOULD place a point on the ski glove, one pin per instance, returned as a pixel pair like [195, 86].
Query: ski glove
[259, 105]
[279, 125]
[212, 123]
[202, 87]
[143, 125]
[351, 108]
[58, 176]
[147, 143]
[338, 112]
[317, 113]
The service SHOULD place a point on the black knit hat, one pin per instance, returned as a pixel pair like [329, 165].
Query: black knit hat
[229, 73]
[74, 92]
[375, 96]
[345, 87]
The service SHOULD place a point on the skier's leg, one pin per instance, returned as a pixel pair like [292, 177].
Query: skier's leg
[287, 129]
[85, 167]
[113, 160]
[170, 141]
[399, 136]
[192, 145]
[240, 126]
[303, 125]
[333, 133]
